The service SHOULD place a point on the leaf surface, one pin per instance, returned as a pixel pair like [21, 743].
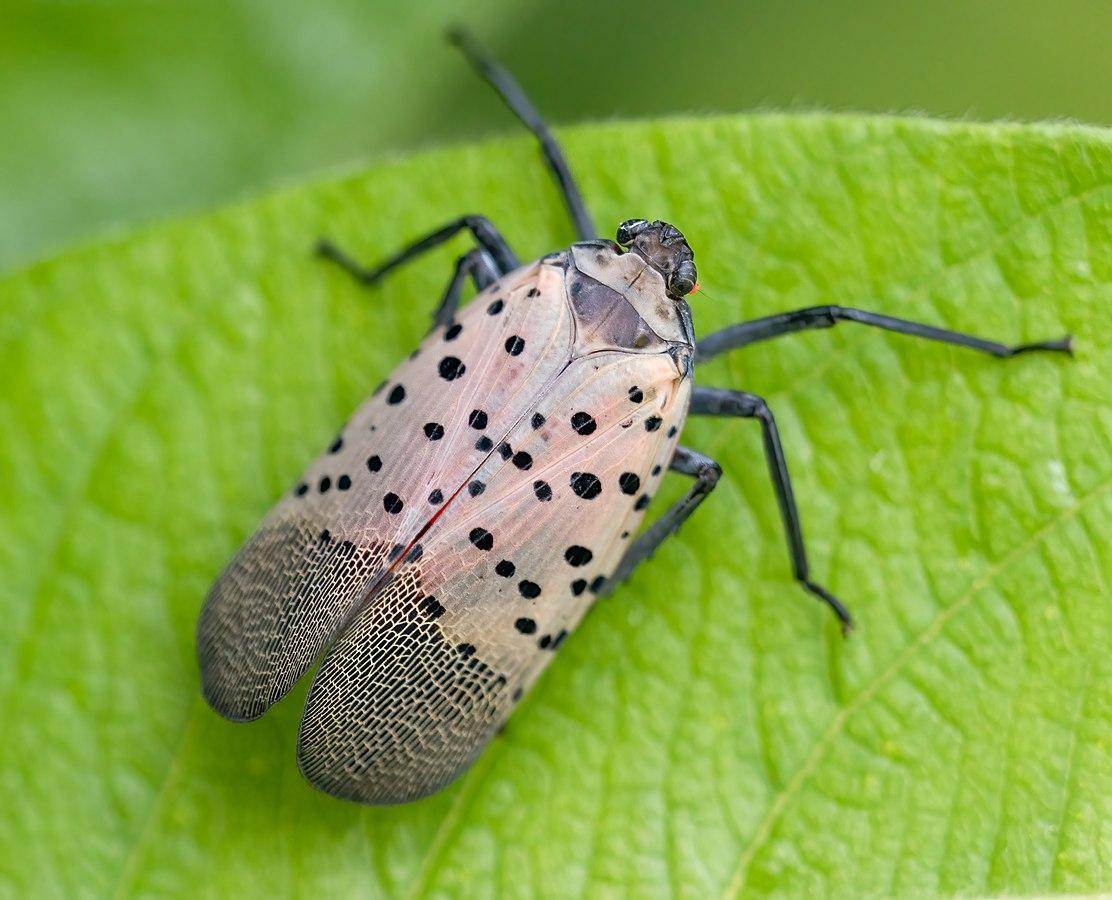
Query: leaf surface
[707, 731]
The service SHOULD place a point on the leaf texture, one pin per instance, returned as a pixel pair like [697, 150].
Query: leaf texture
[706, 732]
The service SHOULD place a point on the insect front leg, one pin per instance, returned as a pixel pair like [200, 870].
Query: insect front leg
[486, 235]
[706, 473]
[521, 106]
[707, 401]
[735, 336]
[480, 267]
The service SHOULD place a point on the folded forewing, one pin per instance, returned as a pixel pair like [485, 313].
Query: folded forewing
[328, 545]
[430, 668]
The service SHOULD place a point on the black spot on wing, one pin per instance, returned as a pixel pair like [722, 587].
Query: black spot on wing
[586, 485]
[584, 423]
[629, 483]
[451, 368]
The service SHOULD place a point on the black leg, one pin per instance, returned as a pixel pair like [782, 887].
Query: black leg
[736, 336]
[720, 402]
[510, 92]
[687, 462]
[486, 235]
[478, 264]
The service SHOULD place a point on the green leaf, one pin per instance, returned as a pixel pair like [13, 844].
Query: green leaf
[707, 732]
[128, 111]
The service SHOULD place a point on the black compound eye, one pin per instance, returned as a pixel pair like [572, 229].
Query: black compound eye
[682, 281]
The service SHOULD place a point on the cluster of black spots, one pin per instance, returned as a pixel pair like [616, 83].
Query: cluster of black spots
[343, 482]
[335, 446]
[533, 292]
[505, 568]
[542, 490]
[523, 460]
[597, 584]
[505, 451]
[415, 554]
[514, 345]
[302, 489]
[431, 607]
[672, 431]
[324, 484]
[518, 694]
[584, 423]
[484, 444]
[629, 483]
[436, 497]
[586, 485]
[636, 394]
[465, 650]
[325, 537]
[453, 332]
[477, 419]
[642, 502]
[481, 538]
[392, 503]
[475, 488]
[495, 308]
[529, 589]
[451, 368]
[537, 420]
[652, 423]
[578, 586]
[395, 552]
[656, 471]
[374, 463]
[525, 625]
[396, 395]
[625, 535]
[578, 556]
[550, 642]
[434, 431]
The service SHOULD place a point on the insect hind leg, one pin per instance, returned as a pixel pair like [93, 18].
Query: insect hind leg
[706, 473]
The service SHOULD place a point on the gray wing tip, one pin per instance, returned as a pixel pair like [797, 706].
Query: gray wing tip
[231, 704]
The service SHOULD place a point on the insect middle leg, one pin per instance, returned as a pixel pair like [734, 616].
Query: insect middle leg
[480, 267]
[486, 235]
[739, 404]
[735, 336]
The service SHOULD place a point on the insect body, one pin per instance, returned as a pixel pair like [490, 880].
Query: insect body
[462, 522]
[480, 498]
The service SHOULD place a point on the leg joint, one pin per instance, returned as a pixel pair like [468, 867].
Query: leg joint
[708, 474]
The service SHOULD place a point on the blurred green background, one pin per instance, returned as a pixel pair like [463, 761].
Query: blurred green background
[119, 112]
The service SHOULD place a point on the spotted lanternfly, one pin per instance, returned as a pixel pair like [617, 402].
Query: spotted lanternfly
[455, 532]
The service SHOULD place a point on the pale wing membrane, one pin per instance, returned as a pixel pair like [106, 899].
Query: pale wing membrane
[324, 548]
[424, 676]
